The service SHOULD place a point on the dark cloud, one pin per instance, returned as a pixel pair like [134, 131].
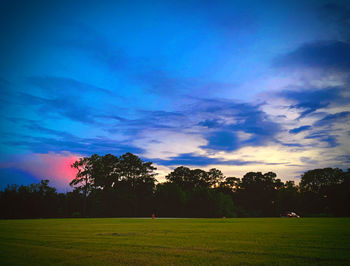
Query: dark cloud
[291, 144]
[189, 159]
[88, 146]
[210, 123]
[68, 98]
[226, 119]
[37, 128]
[223, 140]
[150, 120]
[324, 136]
[218, 121]
[65, 107]
[308, 160]
[342, 117]
[310, 100]
[192, 159]
[343, 159]
[41, 139]
[299, 129]
[338, 15]
[331, 55]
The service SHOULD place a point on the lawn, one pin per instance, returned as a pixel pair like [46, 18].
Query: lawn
[109, 241]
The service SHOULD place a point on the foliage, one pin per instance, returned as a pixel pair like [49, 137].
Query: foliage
[125, 186]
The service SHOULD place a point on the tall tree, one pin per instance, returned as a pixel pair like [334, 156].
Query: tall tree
[170, 200]
[215, 177]
[104, 171]
[318, 180]
[189, 179]
[133, 170]
[320, 190]
[288, 198]
[180, 176]
[258, 193]
[137, 180]
[83, 180]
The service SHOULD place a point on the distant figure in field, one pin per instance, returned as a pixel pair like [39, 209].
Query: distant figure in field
[153, 216]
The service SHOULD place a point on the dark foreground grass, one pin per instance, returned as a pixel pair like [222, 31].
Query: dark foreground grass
[324, 241]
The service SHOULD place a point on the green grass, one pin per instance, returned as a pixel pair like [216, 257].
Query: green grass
[281, 241]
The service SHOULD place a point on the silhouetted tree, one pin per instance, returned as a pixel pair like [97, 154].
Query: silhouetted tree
[230, 184]
[83, 180]
[319, 180]
[320, 191]
[258, 193]
[206, 202]
[137, 178]
[189, 179]
[288, 198]
[215, 177]
[133, 170]
[180, 176]
[35, 200]
[111, 186]
[105, 173]
[170, 200]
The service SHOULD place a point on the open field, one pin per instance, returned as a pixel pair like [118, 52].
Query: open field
[176, 241]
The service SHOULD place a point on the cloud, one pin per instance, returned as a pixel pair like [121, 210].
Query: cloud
[342, 117]
[68, 98]
[36, 127]
[313, 117]
[326, 137]
[223, 140]
[53, 166]
[312, 107]
[283, 160]
[337, 15]
[81, 145]
[227, 124]
[331, 55]
[311, 100]
[166, 107]
[164, 144]
[308, 160]
[226, 121]
[191, 159]
[299, 129]
[211, 125]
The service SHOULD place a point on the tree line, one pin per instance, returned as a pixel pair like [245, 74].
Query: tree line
[125, 186]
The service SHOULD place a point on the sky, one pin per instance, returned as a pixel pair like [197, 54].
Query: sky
[235, 85]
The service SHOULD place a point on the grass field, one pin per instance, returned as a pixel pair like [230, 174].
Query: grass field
[176, 241]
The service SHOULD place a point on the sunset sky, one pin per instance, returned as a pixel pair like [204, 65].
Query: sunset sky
[236, 85]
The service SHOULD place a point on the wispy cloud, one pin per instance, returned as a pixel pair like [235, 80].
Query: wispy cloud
[204, 85]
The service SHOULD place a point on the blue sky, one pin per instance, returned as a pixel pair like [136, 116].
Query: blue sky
[238, 85]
